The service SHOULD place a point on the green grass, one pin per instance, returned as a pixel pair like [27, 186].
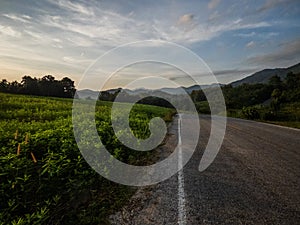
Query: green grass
[202, 107]
[60, 188]
[293, 124]
[288, 114]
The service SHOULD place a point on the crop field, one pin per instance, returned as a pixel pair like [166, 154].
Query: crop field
[44, 178]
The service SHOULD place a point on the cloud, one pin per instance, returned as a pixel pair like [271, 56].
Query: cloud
[215, 15]
[59, 31]
[186, 22]
[26, 17]
[263, 35]
[42, 39]
[219, 73]
[21, 18]
[235, 25]
[72, 60]
[86, 26]
[250, 44]
[80, 41]
[232, 72]
[252, 25]
[269, 4]
[9, 31]
[35, 35]
[251, 34]
[75, 7]
[271, 34]
[288, 52]
[186, 19]
[108, 28]
[213, 4]
[198, 32]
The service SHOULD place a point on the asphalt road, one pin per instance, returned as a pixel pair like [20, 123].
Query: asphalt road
[255, 179]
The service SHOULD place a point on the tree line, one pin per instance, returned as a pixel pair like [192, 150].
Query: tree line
[45, 86]
[276, 91]
[257, 101]
[145, 99]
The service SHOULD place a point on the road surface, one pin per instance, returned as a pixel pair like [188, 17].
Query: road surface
[255, 179]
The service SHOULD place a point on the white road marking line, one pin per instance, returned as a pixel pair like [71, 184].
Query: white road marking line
[181, 195]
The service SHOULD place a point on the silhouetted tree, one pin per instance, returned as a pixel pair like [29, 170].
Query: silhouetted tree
[68, 87]
[45, 86]
[4, 85]
[30, 86]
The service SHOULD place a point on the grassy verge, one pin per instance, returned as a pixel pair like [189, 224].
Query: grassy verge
[293, 124]
[287, 115]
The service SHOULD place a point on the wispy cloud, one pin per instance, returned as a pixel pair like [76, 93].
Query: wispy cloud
[9, 31]
[187, 22]
[185, 19]
[250, 44]
[86, 26]
[251, 34]
[37, 36]
[269, 4]
[109, 28]
[71, 33]
[203, 32]
[232, 72]
[262, 34]
[288, 52]
[19, 18]
[223, 76]
[213, 4]
[75, 7]
[213, 16]
[72, 60]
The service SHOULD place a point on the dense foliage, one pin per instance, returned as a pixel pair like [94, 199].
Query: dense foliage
[44, 178]
[278, 100]
[125, 97]
[45, 86]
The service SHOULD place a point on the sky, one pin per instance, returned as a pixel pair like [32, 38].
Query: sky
[63, 37]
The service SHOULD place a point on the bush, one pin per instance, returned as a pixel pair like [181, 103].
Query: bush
[251, 112]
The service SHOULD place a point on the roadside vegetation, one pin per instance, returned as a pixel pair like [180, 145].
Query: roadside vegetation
[44, 178]
[276, 102]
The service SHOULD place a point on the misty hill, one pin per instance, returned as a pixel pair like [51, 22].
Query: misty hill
[263, 76]
[87, 93]
[198, 87]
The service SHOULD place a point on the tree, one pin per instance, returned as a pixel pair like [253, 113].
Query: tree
[48, 78]
[292, 80]
[198, 96]
[4, 85]
[30, 86]
[45, 86]
[275, 82]
[276, 99]
[14, 87]
[68, 87]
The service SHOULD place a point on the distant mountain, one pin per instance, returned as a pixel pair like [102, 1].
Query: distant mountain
[198, 87]
[86, 93]
[264, 75]
[178, 91]
[258, 77]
